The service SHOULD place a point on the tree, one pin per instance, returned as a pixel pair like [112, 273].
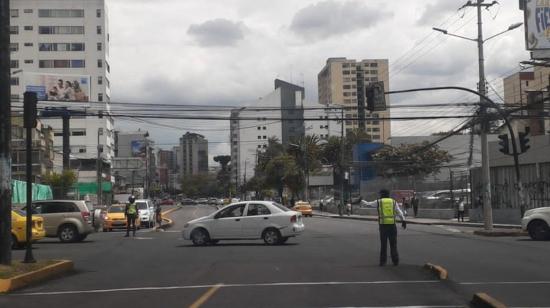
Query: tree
[306, 151]
[410, 159]
[283, 171]
[224, 175]
[200, 185]
[60, 182]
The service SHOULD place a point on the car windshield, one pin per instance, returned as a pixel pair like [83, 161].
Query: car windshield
[280, 207]
[141, 205]
[116, 209]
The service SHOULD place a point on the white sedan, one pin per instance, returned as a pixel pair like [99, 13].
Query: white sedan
[265, 220]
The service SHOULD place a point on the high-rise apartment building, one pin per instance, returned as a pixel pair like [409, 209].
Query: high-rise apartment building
[342, 82]
[194, 155]
[60, 49]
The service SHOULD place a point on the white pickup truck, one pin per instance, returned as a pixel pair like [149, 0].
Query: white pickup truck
[537, 222]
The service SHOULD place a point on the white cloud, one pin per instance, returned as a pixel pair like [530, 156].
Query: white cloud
[329, 18]
[217, 32]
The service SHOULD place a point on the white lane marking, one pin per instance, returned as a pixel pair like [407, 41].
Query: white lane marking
[503, 282]
[240, 285]
[142, 238]
[448, 229]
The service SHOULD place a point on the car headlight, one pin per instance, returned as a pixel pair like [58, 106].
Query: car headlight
[528, 213]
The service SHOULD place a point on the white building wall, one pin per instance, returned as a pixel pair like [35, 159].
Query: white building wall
[325, 123]
[28, 58]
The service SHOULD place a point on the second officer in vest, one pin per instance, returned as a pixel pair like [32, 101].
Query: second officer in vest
[131, 213]
[388, 209]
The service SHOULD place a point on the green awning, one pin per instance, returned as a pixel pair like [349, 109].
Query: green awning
[39, 192]
[91, 187]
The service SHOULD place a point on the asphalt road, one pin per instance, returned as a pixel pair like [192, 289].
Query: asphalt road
[333, 264]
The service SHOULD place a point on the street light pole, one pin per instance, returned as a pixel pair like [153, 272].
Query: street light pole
[485, 123]
[99, 167]
[485, 168]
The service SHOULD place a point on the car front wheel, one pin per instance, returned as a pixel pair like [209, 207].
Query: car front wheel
[538, 230]
[200, 237]
[271, 236]
[68, 234]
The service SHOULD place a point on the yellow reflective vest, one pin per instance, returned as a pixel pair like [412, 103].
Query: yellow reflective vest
[132, 209]
[386, 211]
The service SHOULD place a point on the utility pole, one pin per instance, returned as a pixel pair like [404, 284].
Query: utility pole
[342, 150]
[98, 166]
[5, 135]
[29, 118]
[485, 124]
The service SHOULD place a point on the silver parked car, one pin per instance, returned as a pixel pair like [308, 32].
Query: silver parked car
[70, 220]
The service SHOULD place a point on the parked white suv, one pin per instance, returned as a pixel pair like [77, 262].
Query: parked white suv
[537, 222]
[146, 211]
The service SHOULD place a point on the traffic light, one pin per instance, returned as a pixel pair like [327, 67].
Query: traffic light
[376, 100]
[504, 143]
[29, 109]
[523, 140]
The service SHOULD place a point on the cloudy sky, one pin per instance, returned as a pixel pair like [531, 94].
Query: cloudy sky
[228, 52]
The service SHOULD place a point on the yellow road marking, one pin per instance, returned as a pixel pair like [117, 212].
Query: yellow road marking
[201, 300]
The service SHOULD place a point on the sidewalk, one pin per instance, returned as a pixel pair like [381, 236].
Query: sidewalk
[418, 221]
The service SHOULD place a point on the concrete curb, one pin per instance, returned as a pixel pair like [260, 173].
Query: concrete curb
[23, 280]
[412, 222]
[439, 271]
[168, 222]
[493, 233]
[483, 300]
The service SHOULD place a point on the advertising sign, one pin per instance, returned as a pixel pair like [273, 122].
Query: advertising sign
[55, 87]
[139, 148]
[537, 24]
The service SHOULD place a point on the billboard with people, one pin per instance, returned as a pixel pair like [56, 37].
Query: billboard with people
[56, 87]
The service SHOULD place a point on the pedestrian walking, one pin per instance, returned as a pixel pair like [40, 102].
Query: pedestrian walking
[158, 214]
[348, 208]
[130, 211]
[388, 209]
[321, 206]
[461, 209]
[414, 202]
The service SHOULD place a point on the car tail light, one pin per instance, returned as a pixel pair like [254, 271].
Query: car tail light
[293, 218]
[85, 215]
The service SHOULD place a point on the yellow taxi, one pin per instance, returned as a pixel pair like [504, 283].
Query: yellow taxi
[303, 207]
[19, 228]
[115, 218]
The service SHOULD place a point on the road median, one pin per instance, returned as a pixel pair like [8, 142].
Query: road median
[53, 269]
[484, 300]
[438, 270]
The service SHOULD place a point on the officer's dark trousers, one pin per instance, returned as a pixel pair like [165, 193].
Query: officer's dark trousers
[388, 233]
[131, 220]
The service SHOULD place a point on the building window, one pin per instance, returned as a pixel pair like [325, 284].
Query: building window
[27, 11]
[78, 132]
[99, 63]
[99, 79]
[82, 150]
[259, 127]
[14, 47]
[374, 72]
[29, 44]
[61, 29]
[14, 13]
[259, 146]
[347, 86]
[28, 28]
[78, 63]
[98, 29]
[61, 47]
[100, 97]
[14, 81]
[14, 30]
[99, 46]
[60, 13]
[61, 63]
[264, 128]
[265, 137]
[259, 137]
[14, 63]
[29, 61]
[345, 72]
[98, 13]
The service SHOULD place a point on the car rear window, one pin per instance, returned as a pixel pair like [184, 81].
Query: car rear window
[116, 209]
[141, 205]
[281, 207]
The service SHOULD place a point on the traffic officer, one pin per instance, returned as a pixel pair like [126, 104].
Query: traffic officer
[130, 211]
[388, 209]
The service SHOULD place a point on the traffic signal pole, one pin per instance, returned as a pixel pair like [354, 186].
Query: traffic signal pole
[29, 118]
[5, 135]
